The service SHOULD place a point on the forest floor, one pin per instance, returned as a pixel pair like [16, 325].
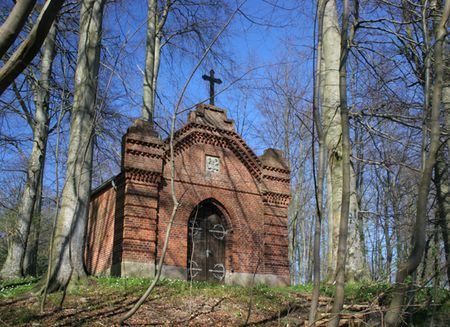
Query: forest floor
[101, 301]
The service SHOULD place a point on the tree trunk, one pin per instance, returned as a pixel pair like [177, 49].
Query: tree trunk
[148, 109]
[442, 166]
[333, 135]
[16, 252]
[346, 173]
[385, 225]
[329, 87]
[14, 23]
[30, 261]
[23, 56]
[319, 183]
[67, 256]
[441, 178]
[410, 266]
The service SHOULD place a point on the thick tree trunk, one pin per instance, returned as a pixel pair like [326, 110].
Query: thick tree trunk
[333, 138]
[410, 266]
[30, 261]
[67, 256]
[16, 252]
[441, 178]
[442, 166]
[14, 24]
[30, 47]
[329, 87]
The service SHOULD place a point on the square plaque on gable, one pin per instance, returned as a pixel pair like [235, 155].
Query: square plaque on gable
[212, 164]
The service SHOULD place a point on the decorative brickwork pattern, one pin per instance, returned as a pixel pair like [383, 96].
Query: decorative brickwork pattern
[129, 215]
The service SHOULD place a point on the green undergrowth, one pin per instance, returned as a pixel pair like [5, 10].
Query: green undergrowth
[174, 290]
[16, 287]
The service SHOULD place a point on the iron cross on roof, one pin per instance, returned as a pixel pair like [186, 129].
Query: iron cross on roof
[212, 81]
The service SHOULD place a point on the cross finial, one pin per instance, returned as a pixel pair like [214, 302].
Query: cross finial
[212, 81]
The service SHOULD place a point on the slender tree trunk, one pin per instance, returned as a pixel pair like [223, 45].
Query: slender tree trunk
[148, 109]
[387, 236]
[319, 183]
[410, 266]
[346, 174]
[67, 264]
[16, 252]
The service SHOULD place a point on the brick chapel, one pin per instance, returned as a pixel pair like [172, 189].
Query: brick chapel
[231, 225]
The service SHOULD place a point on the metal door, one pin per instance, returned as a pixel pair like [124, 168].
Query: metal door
[206, 247]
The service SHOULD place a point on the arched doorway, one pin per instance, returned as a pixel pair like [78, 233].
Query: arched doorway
[206, 244]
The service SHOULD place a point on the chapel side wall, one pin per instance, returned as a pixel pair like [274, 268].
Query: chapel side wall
[100, 231]
[276, 184]
[234, 188]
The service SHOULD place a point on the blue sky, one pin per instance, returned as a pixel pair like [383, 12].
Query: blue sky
[274, 31]
[279, 31]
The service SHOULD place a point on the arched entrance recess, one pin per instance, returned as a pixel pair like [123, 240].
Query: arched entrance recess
[207, 237]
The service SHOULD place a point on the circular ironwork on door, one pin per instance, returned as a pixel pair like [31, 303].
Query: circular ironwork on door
[206, 245]
[218, 271]
[218, 231]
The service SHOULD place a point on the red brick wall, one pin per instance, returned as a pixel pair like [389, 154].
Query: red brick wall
[100, 235]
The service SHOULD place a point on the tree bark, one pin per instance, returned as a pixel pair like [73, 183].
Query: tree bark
[330, 98]
[14, 23]
[329, 87]
[67, 257]
[30, 47]
[319, 183]
[441, 178]
[153, 56]
[410, 266]
[442, 166]
[30, 260]
[16, 252]
[42, 95]
[149, 86]
[346, 175]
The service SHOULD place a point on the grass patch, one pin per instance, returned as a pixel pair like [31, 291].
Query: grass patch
[15, 287]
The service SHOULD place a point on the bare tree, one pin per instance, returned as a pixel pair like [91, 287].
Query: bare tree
[415, 257]
[330, 102]
[67, 263]
[319, 182]
[346, 167]
[12, 267]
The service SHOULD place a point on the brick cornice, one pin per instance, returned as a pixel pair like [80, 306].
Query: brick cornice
[275, 198]
[141, 175]
[277, 178]
[277, 170]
